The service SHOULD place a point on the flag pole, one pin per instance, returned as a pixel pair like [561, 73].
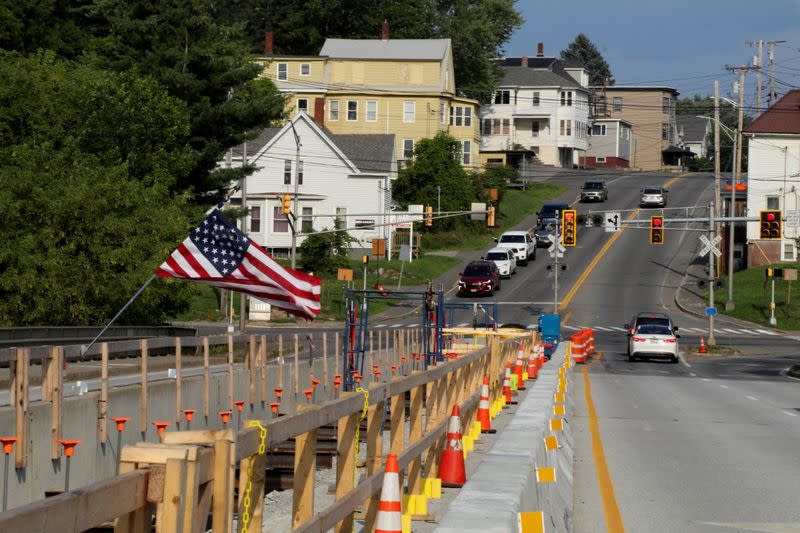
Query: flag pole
[85, 349]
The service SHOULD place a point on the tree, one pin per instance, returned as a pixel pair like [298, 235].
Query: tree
[436, 164]
[88, 160]
[583, 50]
[325, 252]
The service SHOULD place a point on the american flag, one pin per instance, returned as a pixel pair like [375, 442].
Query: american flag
[217, 253]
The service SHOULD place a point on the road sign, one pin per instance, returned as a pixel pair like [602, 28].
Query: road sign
[710, 245]
[711, 311]
[552, 248]
[611, 221]
[792, 218]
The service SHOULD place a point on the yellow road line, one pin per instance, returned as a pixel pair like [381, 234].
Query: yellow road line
[611, 509]
[603, 250]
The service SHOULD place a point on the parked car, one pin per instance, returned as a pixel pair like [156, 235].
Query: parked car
[521, 243]
[479, 277]
[653, 340]
[653, 196]
[505, 260]
[594, 191]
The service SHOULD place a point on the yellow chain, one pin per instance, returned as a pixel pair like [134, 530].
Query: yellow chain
[365, 392]
[261, 449]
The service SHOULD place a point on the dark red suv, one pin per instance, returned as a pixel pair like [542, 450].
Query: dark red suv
[479, 277]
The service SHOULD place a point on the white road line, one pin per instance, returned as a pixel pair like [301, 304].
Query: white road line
[617, 328]
[724, 386]
[463, 324]
[693, 374]
[752, 398]
[765, 332]
[698, 330]
[574, 328]
[601, 328]
[735, 332]
[380, 326]
[747, 331]
[687, 365]
[706, 379]
[396, 326]
[787, 412]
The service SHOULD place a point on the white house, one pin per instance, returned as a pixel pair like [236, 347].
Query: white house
[773, 177]
[540, 107]
[346, 176]
[693, 133]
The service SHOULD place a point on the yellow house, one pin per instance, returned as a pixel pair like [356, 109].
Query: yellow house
[404, 87]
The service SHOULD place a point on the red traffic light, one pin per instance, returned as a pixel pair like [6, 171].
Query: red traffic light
[770, 216]
[656, 221]
[568, 216]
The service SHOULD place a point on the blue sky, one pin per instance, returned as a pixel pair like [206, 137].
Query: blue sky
[680, 43]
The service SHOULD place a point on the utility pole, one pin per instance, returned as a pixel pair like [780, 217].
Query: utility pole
[717, 176]
[772, 94]
[557, 242]
[759, 62]
[712, 341]
[243, 296]
[729, 304]
[296, 200]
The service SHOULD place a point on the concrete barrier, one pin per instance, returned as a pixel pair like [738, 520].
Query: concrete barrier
[505, 483]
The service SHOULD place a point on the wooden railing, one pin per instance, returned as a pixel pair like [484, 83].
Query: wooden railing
[191, 474]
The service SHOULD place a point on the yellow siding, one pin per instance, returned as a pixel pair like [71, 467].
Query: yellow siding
[316, 75]
[385, 73]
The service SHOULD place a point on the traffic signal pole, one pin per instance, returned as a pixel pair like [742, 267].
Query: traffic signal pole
[712, 259]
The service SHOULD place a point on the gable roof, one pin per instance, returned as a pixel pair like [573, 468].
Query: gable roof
[694, 128]
[419, 49]
[782, 117]
[529, 77]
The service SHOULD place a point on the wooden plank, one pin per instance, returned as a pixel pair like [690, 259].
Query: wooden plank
[178, 381]
[397, 406]
[19, 398]
[262, 365]
[230, 370]
[296, 367]
[251, 369]
[80, 509]
[224, 475]
[143, 418]
[336, 355]
[55, 387]
[280, 360]
[172, 510]
[102, 403]
[345, 463]
[414, 434]
[305, 463]
[375, 415]
[325, 375]
[206, 378]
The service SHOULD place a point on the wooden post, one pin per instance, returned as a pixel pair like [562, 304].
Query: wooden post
[257, 463]
[325, 361]
[173, 506]
[414, 434]
[178, 381]
[224, 476]
[19, 399]
[374, 457]
[102, 403]
[251, 363]
[296, 366]
[431, 419]
[397, 405]
[206, 378]
[263, 368]
[336, 354]
[305, 463]
[345, 463]
[143, 421]
[280, 360]
[230, 370]
[53, 391]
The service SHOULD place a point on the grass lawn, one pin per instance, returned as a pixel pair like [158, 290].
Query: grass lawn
[514, 207]
[752, 297]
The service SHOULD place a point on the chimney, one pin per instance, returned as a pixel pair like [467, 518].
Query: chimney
[524, 61]
[385, 30]
[539, 49]
[269, 37]
[319, 111]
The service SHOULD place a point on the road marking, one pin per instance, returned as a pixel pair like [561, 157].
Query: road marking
[617, 328]
[730, 331]
[752, 398]
[601, 328]
[682, 360]
[765, 332]
[574, 328]
[724, 386]
[380, 326]
[748, 332]
[463, 324]
[396, 325]
[787, 412]
[610, 507]
[693, 374]
[706, 379]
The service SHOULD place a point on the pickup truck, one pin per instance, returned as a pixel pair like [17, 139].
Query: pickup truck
[521, 243]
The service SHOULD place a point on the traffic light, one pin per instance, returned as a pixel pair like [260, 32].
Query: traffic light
[490, 216]
[429, 215]
[569, 231]
[286, 204]
[657, 230]
[771, 224]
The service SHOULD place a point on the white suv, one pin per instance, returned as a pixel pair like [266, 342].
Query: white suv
[521, 243]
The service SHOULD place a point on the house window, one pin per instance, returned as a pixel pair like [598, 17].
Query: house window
[409, 111]
[666, 105]
[280, 222]
[461, 116]
[287, 172]
[299, 172]
[536, 99]
[601, 159]
[408, 148]
[788, 251]
[333, 110]
[561, 127]
[773, 202]
[283, 71]
[601, 104]
[617, 103]
[307, 221]
[465, 152]
[302, 105]
[442, 112]
[352, 110]
[506, 126]
[535, 128]
[255, 219]
[664, 131]
[502, 97]
[341, 218]
[569, 128]
[599, 130]
[305, 69]
[566, 98]
[372, 110]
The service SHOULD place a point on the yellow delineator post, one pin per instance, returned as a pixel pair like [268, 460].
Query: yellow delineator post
[551, 442]
[531, 522]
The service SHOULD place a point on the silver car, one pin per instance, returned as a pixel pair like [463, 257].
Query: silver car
[653, 196]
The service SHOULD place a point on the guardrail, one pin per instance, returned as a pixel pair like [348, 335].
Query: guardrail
[190, 474]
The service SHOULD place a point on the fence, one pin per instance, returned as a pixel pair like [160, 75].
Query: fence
[191, 474]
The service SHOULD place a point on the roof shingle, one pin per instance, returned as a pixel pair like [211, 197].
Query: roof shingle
[782, 117]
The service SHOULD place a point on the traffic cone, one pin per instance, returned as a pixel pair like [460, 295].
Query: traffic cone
[451, 466]
[484, 417]
[389, 512]
[507, 385]
[518, 370]
[702, 348]
[532, 370]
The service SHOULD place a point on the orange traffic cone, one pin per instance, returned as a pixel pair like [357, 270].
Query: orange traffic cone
[532, 370]
[518, 369]
[484, 417]
[389, 513]
[507, 385]
[451, 466]
[702, 348]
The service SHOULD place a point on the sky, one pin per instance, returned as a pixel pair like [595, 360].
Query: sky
[684, 44]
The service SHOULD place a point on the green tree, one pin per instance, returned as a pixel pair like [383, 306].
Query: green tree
[88, 160]
[582, 49]
[436, 164]
[325, 252]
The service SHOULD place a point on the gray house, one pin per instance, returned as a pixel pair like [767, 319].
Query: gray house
[693, 132]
